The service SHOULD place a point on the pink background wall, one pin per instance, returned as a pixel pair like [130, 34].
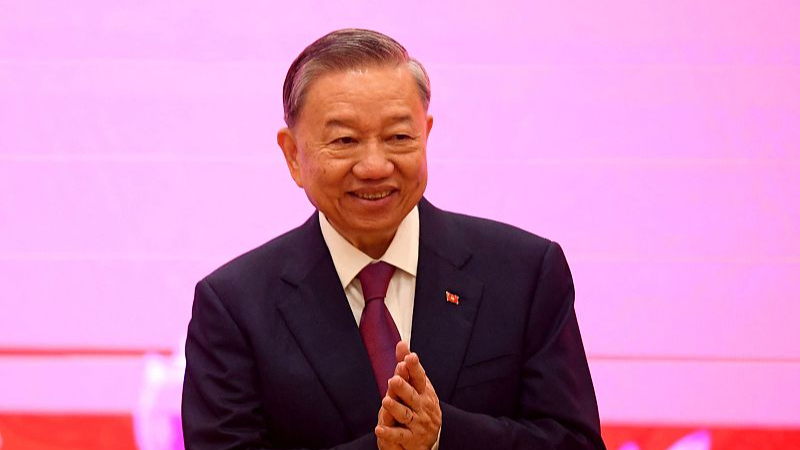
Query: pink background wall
[658, 142]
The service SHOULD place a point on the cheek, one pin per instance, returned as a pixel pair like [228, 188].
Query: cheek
[423, 170]
[414, 167]
[422, 182]
[328, 175]
[422, 174]
[313, 168]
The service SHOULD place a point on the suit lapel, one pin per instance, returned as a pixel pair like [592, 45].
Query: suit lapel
[441, 330]
[322, 323]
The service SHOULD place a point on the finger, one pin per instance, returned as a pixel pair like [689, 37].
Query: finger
[402, 370]
[399, 412]
[386, 418]
[392, 392]
[392, 389]
[401, 350]
[416, 372]
[404, 393]
[395, 435]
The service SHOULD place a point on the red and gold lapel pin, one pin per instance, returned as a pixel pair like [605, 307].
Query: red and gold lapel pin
[451, 298]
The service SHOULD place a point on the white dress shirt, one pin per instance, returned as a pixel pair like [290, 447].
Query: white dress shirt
[402, 253]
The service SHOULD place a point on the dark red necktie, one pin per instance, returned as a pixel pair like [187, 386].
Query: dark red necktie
[377, 328]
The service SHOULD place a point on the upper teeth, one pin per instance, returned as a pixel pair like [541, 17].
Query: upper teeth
[374, 195]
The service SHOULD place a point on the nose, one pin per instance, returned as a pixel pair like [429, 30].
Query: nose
[373, 162]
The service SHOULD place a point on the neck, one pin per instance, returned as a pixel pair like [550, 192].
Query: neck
[374, 252]
[372, 244]
[375, 247]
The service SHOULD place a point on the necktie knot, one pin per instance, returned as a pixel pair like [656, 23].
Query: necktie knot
[375, 279]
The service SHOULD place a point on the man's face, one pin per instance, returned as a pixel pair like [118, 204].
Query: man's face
[358, 150]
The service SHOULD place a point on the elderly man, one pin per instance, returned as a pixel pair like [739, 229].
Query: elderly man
[383, 322]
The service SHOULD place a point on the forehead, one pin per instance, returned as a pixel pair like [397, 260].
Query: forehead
[363, 93]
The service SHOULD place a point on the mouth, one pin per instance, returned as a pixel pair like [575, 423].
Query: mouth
[373, 196]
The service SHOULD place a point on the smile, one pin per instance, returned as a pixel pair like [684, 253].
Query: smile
[372, 195]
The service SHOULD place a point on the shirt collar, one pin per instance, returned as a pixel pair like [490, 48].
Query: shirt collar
[402, 253]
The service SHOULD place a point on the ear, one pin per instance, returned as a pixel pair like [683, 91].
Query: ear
[288, 144]
[429, 126]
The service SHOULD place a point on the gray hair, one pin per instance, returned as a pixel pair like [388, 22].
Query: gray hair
[341, 50]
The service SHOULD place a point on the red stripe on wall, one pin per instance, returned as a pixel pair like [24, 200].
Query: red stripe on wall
[50, 352]
[66, 432]
[693, 358]
[102, 432]
[722, 438]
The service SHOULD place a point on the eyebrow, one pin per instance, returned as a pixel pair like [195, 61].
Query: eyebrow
[404, 118]
[345, 123]
[330, 123]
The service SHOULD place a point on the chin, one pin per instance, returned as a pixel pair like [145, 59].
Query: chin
[377, 228]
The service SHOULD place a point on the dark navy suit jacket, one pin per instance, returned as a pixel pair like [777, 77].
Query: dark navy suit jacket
[274, 358]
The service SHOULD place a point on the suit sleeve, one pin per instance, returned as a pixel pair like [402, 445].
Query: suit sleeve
[557, 408]
[221, 406]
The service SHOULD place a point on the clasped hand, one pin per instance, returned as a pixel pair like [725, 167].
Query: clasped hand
[410, 416]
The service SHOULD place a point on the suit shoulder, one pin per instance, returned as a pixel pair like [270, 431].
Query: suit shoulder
[262, 263]
[491, 235]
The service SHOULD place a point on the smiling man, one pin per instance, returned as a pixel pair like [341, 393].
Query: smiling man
[383, 322]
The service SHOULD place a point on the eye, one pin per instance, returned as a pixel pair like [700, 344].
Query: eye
[344, 140]
[401, 137]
